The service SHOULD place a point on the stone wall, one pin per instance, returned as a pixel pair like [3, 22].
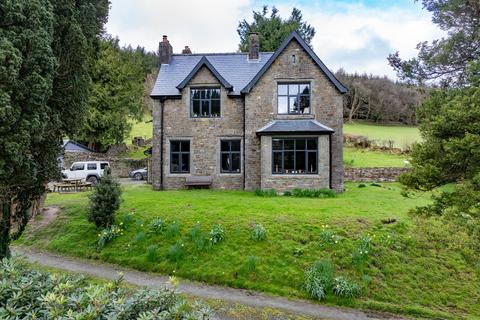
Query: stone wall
[373, 174]
[204, 135]
[120, 167]
[261, 108]
[283, 183]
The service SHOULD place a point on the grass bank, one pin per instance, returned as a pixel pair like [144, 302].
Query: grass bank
[414, 267]
[402, 136]
[361, 158]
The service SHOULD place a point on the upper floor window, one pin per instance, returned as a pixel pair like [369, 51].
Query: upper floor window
[230, 156]
[180, 156]
[205, 103]
[293, 98]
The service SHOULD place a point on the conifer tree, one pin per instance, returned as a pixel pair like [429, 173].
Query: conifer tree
[105, 201]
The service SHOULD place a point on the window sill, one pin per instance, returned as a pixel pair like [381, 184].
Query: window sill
[178, 175]
[205, 118]
[294, 116]
[233, 174]
[291, 175]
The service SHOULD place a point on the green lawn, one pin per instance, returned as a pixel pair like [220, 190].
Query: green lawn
[403, 136]
[415, 267]
[361, 158]
[143, 128]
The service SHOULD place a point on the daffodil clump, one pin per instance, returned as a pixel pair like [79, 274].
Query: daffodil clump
[108, 234]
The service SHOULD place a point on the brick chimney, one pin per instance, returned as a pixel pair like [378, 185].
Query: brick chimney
[253, 46]
[165, 51]
[186, 50]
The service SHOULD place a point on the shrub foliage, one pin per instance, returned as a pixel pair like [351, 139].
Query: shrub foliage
[105, 201]
[259, 233]
[29, 294]
[217, 234]
[319, 281]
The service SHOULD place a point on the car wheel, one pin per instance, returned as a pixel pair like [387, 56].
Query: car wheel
[93, 180]
[138, 176]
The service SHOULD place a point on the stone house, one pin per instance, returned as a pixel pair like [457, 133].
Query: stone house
[247, 120]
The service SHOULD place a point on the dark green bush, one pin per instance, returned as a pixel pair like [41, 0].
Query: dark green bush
[313, 193]
[105, 201]
[266, 193]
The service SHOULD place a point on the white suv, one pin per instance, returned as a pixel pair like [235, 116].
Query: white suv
[90, 171]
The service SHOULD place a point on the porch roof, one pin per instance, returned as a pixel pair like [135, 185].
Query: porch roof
[294, 127]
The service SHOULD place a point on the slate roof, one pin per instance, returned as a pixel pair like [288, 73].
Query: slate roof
[73, 146]
[294, 127]
[205, 63]
[233, 67]
[233, 70]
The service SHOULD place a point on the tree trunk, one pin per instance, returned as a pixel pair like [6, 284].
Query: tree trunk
[355, 105]
[5, 224]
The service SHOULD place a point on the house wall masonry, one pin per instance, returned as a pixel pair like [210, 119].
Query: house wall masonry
[261, 108]
[204, 135]
[283, 183]
[260, 104]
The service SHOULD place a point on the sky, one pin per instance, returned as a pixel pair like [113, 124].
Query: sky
[356, 35]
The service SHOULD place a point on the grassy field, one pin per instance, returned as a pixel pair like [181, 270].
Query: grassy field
[421, 268]
[361, 158]
[143, 128]
[403, 136]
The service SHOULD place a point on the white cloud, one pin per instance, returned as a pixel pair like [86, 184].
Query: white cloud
[206, 26]
[352, 36]
[359, 38]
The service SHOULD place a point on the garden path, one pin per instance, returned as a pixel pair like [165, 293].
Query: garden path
[199, 290]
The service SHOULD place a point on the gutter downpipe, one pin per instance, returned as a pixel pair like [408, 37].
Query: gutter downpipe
[162, 105]
[330, 160]
[243, 150]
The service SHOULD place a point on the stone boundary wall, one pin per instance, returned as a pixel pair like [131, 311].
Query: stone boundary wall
[121, 167]
[373, 174]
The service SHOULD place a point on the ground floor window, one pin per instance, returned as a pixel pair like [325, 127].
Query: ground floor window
[180, 156]
[230, 156]
[294, 155]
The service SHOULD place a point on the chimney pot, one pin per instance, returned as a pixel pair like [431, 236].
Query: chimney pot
[253, 46]
[165, 51]
[186, 50]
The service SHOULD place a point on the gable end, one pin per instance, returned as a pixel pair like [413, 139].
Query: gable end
[295, 36]
[204, 62]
